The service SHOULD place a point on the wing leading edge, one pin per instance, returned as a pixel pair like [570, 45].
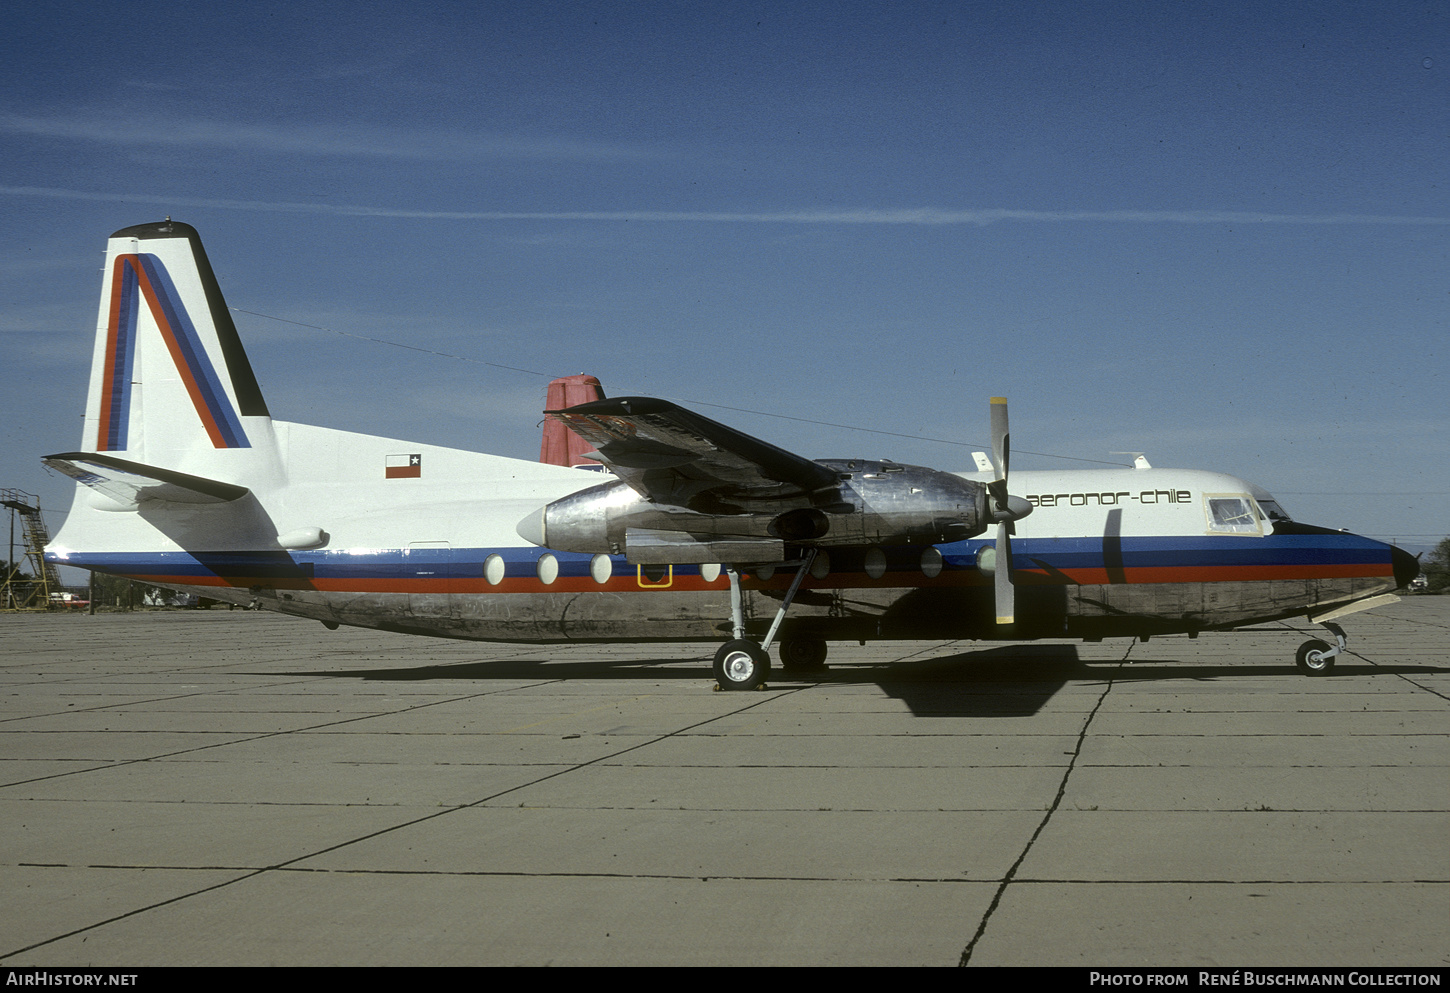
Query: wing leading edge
[659, 449]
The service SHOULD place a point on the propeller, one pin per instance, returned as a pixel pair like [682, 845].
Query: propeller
[1006, 511]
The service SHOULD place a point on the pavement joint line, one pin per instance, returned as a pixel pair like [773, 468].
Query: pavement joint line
[782, 810]
[290, 864]
[521, 874]
[259, 737]
[1011, 873]
[1038, 880]
[129, 913]
[130, 702]
[120, 705]
[1422, 622]
[1419, 686]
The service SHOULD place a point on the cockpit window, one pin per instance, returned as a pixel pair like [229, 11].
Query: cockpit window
[1272, 510]
[1232, 514]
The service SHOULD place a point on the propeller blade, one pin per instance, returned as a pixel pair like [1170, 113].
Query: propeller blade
[1002, 578]
[1001, 445]
[1003, 593]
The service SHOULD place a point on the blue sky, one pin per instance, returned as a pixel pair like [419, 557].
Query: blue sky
[1216, 233]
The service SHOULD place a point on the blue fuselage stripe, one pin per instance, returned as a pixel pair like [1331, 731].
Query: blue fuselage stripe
[1060, 554]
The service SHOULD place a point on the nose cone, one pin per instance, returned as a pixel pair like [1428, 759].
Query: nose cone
[1406, 566]
[531, 528]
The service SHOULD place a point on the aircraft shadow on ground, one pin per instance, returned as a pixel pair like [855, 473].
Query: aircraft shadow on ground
[1006, 681]
[1003, 681]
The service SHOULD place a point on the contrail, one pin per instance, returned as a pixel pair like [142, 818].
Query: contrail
[926, 216]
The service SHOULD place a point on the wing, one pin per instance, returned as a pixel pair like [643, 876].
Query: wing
[673, 455]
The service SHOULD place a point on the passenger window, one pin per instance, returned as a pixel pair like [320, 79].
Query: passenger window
[1232, 515]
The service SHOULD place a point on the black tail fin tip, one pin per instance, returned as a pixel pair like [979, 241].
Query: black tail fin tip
[250, 402]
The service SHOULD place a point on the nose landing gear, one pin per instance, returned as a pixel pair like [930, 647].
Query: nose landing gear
[1315, 657]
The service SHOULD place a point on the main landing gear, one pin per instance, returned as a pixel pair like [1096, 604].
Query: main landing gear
[802, 654]
[1315, 657]
[741, 664]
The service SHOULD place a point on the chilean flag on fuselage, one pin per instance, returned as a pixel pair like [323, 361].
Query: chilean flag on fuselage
[403, 467]
[137, 276]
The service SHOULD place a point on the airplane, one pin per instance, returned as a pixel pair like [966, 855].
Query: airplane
[696, 532]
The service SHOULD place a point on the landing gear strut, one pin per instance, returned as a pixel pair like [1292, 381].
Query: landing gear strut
[741, 664]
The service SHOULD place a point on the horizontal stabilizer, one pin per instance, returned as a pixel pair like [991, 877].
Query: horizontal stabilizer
[131, 483]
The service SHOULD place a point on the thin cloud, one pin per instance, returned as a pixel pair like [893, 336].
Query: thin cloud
[313, 140]
[920, 216]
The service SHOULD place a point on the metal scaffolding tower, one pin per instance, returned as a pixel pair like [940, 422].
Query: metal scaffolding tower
[31, 592]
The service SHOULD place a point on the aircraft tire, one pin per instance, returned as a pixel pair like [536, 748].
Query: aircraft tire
[1310, 658]
[802, 654]
[741, 665]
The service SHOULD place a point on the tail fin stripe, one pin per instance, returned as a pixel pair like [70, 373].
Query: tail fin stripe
[147, 274]
[211, 402]
[120, 355]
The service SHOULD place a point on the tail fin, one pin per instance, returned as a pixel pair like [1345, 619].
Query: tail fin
[561, 446]
[169, 378]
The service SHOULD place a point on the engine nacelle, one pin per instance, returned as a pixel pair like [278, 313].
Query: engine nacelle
[591, 520]
[872, 503]
[899, 504]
